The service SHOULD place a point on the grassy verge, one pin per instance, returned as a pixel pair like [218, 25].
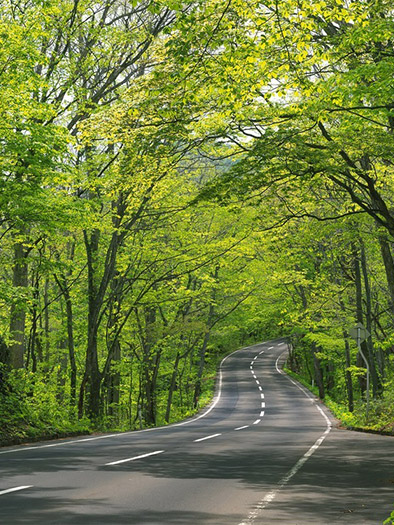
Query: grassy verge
[380, 418]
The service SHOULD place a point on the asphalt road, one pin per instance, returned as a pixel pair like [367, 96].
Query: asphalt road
[264, 453]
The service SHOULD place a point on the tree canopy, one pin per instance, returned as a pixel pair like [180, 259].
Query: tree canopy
[179, 179]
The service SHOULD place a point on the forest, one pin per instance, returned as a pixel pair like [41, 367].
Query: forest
[183, 178]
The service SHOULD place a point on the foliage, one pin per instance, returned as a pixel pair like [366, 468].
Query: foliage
[181, 179]
[390, 520]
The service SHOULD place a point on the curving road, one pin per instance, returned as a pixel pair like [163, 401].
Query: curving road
[263, 453]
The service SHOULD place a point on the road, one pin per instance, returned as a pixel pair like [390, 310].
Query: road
[264, 452]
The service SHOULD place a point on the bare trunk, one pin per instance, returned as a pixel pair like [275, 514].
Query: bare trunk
[359, 313]
[348, 375]
[389, 268]
[18, 312]
[172, 387]
[318, 372]
[376, 384]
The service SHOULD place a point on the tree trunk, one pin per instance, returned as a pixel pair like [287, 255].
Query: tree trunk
[111, 375]
[376, 384]
[113, 381]
[359, 314]
[203, 351]
[318, 372]
[92, 373]
[150, 365]
[63, 285]
[18, 312]
[348, 375]
[172, 387]
[46, 319]
[389, 268]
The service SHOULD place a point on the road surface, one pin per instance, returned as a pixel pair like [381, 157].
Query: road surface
[265, 452]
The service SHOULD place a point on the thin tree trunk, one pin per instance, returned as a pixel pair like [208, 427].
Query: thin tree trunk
[359, 313]
[18, 312]
[172, 387]
[46, 319]
[376, 384]
[389, 268]
[62, 283]
[348, 375]
[318, 372]
[92, 372]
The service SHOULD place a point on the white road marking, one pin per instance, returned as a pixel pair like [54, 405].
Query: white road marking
[251, 367]
[256, 422]
[262, 404]
[134, 458]
[207, 437]
[14, 489]
[262, 413]
[133, 432]
[260, 388]
[270, 347]
[257, 381]
[241, 428]
[255, 357]
[262, 396]
[254, 375]
[268, 498]
[262, 352]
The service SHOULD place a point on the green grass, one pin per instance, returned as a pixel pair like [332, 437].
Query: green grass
[381, 411]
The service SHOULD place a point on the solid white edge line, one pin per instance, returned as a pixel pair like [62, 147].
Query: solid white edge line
[134, 458]
[241, 428]
[15, 489]
[206, 437]
[133, 432]
[268, 498]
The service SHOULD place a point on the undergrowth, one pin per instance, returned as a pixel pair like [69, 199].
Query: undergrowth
[380, 416]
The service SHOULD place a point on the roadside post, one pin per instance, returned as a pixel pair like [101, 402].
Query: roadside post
[359, 333]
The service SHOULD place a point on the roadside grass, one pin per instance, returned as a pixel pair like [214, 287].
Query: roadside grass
[390, 519]
[380, 418]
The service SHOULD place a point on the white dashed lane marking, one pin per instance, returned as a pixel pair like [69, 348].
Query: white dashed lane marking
[15, 489]
[257, 421]
[207, 437]
[134, 458]
[268, 498]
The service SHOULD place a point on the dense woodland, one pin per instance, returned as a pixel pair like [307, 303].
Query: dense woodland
[179, 179]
